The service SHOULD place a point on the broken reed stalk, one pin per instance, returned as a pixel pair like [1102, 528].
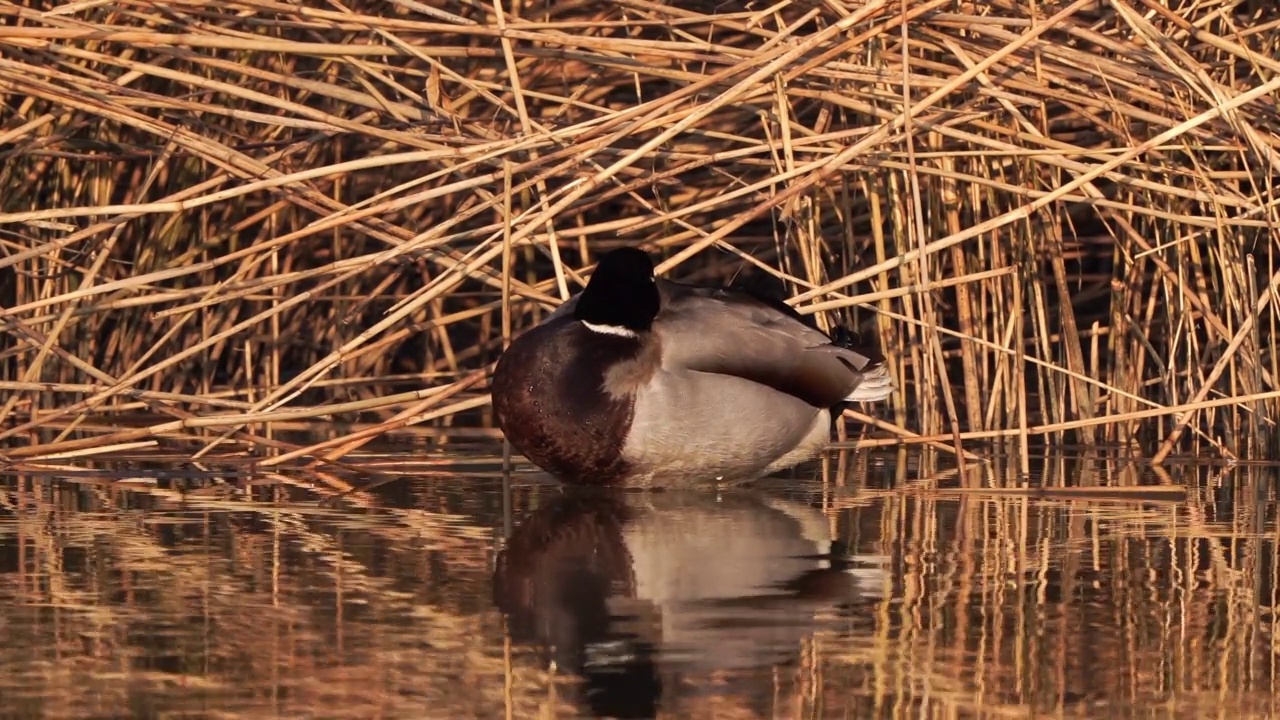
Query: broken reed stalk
[1055, 217]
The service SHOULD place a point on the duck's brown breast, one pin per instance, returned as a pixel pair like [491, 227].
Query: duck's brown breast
[550, 401]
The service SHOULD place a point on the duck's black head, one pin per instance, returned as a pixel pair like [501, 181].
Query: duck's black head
[621, 298]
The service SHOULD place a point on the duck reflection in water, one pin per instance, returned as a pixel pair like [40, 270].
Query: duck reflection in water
[640, 593]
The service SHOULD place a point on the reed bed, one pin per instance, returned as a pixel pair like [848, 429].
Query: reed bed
[1056, 218]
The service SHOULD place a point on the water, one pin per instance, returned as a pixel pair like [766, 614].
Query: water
[145, 590]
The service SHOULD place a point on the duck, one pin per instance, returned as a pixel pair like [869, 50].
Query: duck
[644, 382]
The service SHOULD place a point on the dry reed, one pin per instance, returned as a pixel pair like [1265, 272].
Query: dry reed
[1057, 218]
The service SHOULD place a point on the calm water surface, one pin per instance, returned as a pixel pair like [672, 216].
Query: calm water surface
[141, 589]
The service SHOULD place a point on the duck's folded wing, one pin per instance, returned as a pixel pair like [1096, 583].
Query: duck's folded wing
[729, 333]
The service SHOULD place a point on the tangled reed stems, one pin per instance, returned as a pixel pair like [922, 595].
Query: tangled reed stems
[1056, 217]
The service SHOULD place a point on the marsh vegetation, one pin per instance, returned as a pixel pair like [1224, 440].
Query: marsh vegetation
[222, 218]
[258, 258]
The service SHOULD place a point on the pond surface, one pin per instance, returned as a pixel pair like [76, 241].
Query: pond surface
[860, 588]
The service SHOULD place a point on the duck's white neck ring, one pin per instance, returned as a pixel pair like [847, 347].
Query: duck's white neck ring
[615, 330]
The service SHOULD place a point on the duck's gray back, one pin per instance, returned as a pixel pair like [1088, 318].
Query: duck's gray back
[732, 334]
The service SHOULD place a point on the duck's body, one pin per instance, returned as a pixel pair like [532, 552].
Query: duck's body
[640, 381]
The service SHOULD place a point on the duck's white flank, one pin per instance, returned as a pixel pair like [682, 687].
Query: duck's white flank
[617, 330]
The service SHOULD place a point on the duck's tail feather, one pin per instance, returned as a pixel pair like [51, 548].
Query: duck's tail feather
[876, 384]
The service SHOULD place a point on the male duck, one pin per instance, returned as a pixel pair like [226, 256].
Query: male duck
[642, 382]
